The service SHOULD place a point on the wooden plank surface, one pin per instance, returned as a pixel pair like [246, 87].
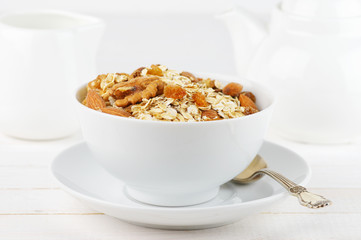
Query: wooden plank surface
[32, 206]
[257, 227]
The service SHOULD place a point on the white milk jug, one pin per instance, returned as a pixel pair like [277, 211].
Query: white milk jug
[44, 56]
[310, 54]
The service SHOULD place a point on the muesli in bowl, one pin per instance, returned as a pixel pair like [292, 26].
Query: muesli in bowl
[182, 154]
[158, 93]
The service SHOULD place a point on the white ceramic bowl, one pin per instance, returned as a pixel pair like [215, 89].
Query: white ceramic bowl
[171, 163]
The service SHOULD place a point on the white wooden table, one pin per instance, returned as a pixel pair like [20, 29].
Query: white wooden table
[33, 207]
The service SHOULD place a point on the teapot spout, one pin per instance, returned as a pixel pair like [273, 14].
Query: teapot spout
[247, 32]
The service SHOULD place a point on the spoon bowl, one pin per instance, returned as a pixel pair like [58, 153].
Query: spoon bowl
[258, 167]
[245, 176]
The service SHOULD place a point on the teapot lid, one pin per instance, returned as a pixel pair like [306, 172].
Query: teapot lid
[323, 8]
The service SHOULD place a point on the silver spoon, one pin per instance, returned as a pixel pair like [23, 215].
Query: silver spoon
[258, 167]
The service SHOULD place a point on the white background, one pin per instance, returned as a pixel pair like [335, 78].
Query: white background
[183, 35]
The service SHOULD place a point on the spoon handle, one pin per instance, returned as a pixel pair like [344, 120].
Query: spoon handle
[305, 198]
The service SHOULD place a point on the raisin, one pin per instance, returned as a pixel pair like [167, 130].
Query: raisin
[200, 99]
[155, 70]
[174, 91]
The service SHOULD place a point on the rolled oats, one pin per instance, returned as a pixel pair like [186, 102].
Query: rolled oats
[160, 94]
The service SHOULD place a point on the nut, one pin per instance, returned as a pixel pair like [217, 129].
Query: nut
[250, 95]
[137, 72]
[94, 100]
[139, 88]
[249, 110]
[116, 111]
[233, 89]
[189, 75]
[247, 102]
[210, 115]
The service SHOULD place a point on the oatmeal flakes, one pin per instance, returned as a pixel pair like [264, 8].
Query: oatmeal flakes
[169, 114]
[218, 84]
[160, 94]
[193, 110]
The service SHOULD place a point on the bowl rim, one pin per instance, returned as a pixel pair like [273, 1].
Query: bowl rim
[216, 76]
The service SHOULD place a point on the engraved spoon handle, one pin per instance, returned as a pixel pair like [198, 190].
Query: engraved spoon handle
[305, 198]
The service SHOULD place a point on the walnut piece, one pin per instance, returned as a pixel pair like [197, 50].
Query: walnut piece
[135, 90]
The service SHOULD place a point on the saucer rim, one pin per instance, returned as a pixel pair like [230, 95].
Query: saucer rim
[193, 208]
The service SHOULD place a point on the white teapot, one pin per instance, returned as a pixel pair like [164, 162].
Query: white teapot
[44, 56]
[310, 54]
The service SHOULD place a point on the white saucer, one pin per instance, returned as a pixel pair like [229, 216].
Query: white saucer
[82, 177]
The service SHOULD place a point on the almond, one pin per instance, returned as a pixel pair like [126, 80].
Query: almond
[250, 95]
[247, 102]
[190, 76]
[209, 115]
[116, 111]
[94, 100]
[233, 89]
